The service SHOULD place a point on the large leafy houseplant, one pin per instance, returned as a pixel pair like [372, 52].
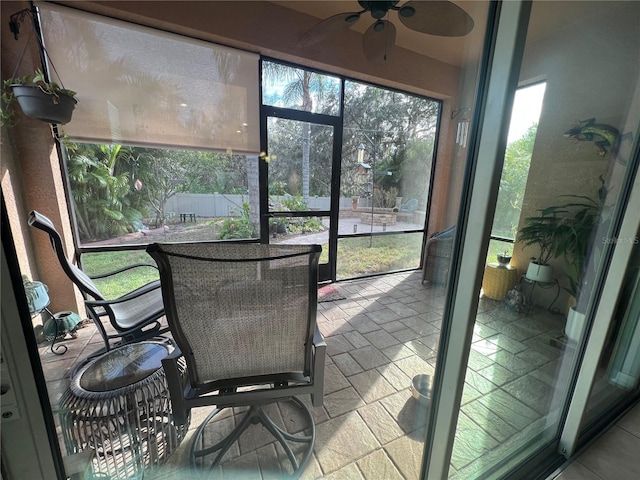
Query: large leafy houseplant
[575, 225]
[565, 231]
[38, 98]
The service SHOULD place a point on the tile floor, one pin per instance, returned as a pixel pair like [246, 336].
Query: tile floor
[613, 456]
[379, 337]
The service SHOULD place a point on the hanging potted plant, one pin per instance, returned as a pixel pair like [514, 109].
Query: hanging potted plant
[39, 99]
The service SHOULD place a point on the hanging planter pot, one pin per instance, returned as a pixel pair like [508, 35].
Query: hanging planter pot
[54, 107]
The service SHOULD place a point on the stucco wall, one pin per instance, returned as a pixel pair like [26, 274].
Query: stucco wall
[31, 178]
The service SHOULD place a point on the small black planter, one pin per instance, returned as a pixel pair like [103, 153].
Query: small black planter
[43, 106]
[503, 259]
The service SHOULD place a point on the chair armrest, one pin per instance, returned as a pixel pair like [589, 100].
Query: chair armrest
[318, 339]
[149, 287]
[123, 269]
[318, 368]
[179, 408]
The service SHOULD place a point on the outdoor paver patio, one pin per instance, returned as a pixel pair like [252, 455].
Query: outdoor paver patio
[379, 337]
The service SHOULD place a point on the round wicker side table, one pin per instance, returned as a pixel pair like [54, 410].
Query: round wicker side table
[498, 280]
[118, 405]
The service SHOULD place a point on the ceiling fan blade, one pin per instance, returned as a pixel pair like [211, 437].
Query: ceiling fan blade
[378, 40]
[437, 17]
[328, 27]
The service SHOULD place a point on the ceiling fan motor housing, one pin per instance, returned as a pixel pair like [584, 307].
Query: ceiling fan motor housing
[379, 9]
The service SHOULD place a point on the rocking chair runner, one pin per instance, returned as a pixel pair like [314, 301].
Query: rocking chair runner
[134, 316]
[244, 317]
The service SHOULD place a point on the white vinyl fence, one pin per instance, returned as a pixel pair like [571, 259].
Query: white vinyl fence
[222, 205]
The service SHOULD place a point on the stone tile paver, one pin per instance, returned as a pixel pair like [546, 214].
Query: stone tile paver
[369, 357]
[334, 380]
[342, 401]
[343, 440]
[371, 385]
[380, 422]
[378, 465]
[347, 365]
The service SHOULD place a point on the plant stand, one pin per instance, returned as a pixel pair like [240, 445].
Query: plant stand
[498, 280]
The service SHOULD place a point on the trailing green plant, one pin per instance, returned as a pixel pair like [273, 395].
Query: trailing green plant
[38, 80]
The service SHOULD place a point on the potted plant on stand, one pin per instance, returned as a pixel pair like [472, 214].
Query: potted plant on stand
[539, 231]
[39, 99]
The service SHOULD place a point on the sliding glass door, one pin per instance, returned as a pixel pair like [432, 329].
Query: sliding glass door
[507, 376]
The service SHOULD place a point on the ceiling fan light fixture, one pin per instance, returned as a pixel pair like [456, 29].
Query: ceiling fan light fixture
[378, 26]
[378, 13]
[407, 12]
[354, 17]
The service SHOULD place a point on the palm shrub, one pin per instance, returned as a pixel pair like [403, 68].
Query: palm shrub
[540, 231]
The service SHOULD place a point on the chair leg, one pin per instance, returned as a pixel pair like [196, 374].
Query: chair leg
[257, 415]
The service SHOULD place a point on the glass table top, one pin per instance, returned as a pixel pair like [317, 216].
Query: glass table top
[123, 366]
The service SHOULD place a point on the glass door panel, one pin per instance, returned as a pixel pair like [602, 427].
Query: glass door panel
[300, 165]
[523, 351]
[618, 372]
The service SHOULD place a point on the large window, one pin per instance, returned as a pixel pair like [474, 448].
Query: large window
[517, 160]
[163, 144]
[388, 153]
[132, 195]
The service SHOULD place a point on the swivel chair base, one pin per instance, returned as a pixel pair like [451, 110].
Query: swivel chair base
[257, 415]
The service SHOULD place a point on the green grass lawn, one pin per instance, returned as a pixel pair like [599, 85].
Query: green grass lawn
[356, 257]
[370, 255]
[104, 262]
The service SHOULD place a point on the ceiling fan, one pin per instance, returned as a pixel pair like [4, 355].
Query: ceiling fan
[435, 17]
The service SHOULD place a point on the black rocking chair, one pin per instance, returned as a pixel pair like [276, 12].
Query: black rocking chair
[134, 316]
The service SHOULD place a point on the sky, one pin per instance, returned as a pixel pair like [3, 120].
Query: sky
[526, 110]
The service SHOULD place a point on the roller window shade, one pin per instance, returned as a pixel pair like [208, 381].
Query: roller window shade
[144, 87]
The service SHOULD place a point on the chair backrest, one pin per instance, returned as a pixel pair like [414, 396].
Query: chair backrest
[240, 310]
[77, 276]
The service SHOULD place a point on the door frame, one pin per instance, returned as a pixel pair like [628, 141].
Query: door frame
[499, 71]
[326, 271]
